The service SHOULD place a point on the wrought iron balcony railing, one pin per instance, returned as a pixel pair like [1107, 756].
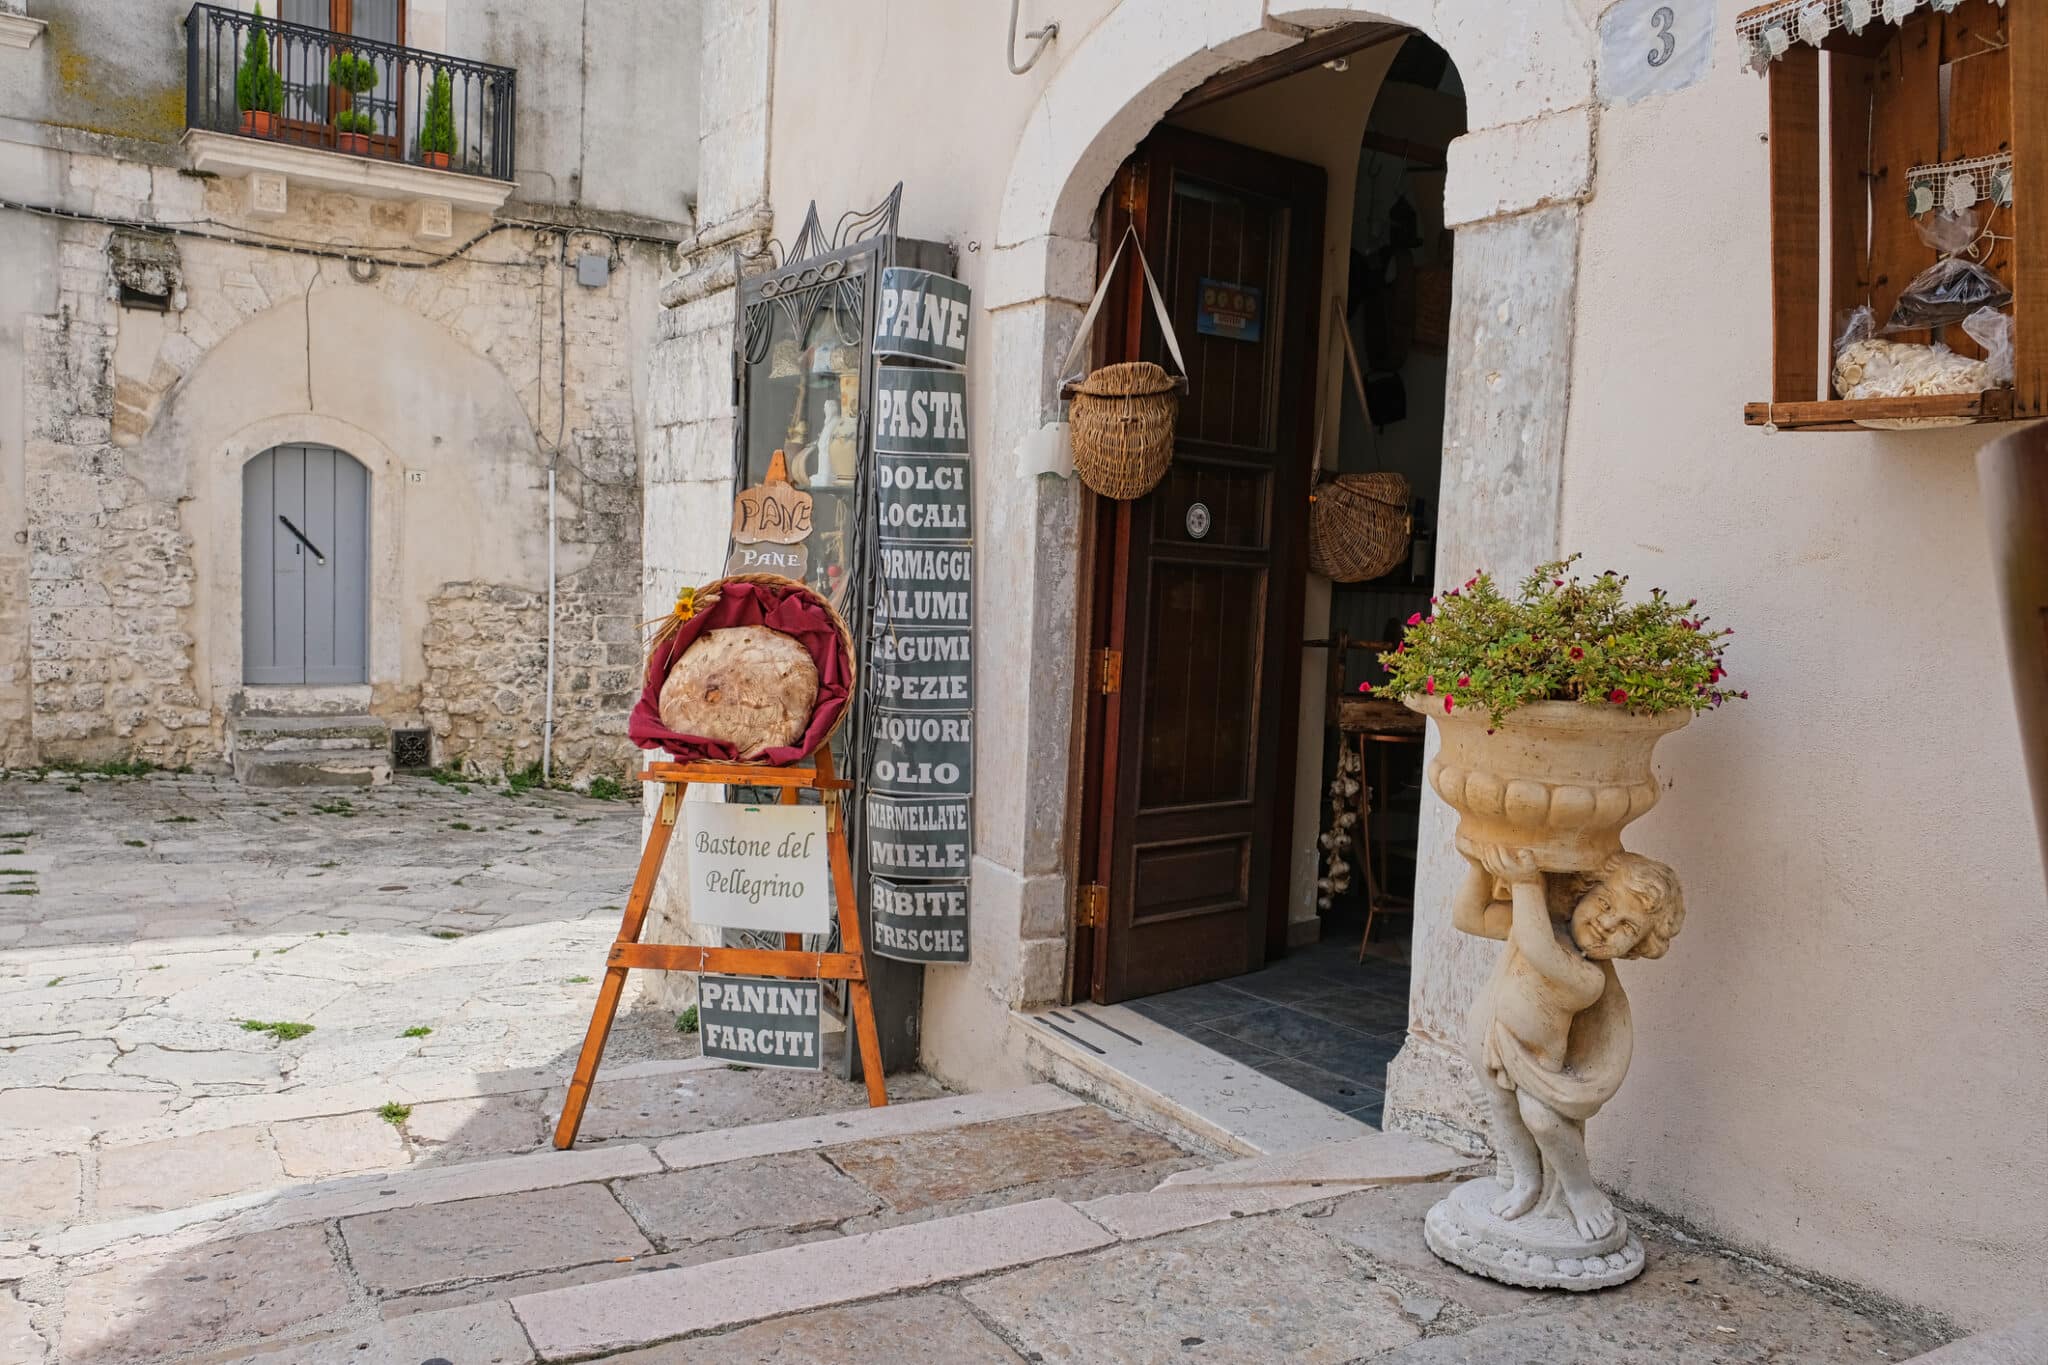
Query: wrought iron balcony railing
[282, 82]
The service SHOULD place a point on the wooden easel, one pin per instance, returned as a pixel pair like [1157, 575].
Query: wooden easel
[789, 961]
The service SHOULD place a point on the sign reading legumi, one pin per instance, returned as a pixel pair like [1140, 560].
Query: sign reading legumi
[759, 1021]
[922, 314]
[931, 668]
[920, 921]
[914, 836]
[763, 868]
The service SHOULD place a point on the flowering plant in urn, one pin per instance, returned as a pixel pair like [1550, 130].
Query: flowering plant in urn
[1547, 706]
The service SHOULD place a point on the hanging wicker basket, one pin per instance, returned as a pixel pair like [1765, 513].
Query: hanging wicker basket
[1121, 418]
[1358, 526]
[1121, 424]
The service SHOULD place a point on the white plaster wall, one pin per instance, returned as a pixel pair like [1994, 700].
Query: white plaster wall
[1844, 1059]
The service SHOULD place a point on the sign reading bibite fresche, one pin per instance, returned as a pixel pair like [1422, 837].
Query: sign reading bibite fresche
[920, 659]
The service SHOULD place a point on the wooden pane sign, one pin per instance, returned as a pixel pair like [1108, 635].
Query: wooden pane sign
[759, 1021]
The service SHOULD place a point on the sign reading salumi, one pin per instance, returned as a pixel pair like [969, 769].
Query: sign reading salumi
[920, 412]
[918, 836]
[920, 921]
[922, 315]
[759, 1021]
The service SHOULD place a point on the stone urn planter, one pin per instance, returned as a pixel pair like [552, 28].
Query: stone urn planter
[1541, 801]
[1558, 778]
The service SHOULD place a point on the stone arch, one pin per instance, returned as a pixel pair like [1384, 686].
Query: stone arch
[1515, 183]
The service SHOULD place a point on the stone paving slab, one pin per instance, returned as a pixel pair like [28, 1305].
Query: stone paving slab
[794, 1191]
[1250, 1292]
[476, 1239]
[38, 1193]
[483, 1334]
[924, 1329]
[919, 1169]
[835, 1130]
[645, 1309]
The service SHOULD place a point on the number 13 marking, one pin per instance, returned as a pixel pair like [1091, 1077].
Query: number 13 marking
[1662, 21]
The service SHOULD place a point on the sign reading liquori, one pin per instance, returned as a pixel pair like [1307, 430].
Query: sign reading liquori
[761, 1022]
[763, 868]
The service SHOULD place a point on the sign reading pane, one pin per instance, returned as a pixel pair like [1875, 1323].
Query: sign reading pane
[758, 867]
[759, 1021]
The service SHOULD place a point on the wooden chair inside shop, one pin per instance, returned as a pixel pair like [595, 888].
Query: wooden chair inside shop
[1379, 726]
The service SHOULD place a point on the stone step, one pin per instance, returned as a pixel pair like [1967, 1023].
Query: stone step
[359, 767]
[278, 734]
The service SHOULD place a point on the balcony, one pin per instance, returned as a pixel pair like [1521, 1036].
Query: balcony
[281, 104]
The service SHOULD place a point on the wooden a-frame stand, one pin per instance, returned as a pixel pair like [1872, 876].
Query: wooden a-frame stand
[790, 961]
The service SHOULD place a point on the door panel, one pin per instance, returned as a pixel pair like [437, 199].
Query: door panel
[1195, 753]
[305, 620]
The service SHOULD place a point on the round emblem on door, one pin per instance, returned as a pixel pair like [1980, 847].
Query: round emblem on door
[1198, 519]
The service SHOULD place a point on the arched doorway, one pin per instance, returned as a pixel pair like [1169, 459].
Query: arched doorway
[305, 567]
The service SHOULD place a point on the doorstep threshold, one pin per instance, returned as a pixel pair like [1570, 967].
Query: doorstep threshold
[1144, 1070]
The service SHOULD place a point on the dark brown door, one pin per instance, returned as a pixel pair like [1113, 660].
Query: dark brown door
[1191, 767]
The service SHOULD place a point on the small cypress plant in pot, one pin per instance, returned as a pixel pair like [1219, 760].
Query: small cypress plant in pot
[1549, 703]
[437, 125]
[357, 74]
[259, 90]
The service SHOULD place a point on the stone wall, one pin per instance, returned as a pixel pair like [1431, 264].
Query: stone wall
[132, 530]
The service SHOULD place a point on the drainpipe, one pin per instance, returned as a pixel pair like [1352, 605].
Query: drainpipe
[547, 727]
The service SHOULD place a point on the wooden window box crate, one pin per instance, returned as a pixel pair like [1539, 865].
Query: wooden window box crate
[1845, 184]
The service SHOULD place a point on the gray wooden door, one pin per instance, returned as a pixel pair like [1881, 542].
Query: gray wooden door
[305, 567]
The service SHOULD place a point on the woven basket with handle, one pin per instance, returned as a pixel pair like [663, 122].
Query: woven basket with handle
[1358, 524]
[1121, 417]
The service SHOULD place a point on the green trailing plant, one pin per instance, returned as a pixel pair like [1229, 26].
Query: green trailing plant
[1560, 638]
[437, 124]
[258, 87]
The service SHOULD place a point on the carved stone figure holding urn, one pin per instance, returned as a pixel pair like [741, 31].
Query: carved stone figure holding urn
[1548, 706]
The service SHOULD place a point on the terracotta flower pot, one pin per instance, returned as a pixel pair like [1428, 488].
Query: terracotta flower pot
[1559, 778]
[438, 160]
[355, 144]
[257, 122]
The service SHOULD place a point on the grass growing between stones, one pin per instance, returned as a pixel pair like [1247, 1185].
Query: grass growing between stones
[416, 1031]
[136, 843]
[21, 891]
[283, 1030]
[686, 1022]
[394, 1113]
[579, 980]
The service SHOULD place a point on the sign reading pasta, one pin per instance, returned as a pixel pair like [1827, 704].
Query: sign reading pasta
[920, 661]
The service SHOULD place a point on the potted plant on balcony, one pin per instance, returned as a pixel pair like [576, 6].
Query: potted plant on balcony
[1547, 707]
[357, 74]
[259, 90]
[437, 125]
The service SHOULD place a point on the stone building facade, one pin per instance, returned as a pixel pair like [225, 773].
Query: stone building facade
[177, 303]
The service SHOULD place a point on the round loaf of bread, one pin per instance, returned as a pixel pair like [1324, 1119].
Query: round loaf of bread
[752, 687]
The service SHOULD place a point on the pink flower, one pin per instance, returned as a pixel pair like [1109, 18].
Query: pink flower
[1434, 600]
[1430, 620]
[1578, 653]
[1365, 687]
[1429, 686]
[1470, 581]
[1452, 593]
[1416, 619]
[1557, 582]
[1464, 680]
[1449, 702]
[1617, 696]
[1401, 648]
[1719, 673]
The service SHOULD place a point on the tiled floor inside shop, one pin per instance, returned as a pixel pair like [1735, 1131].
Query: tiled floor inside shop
[1318, 1020]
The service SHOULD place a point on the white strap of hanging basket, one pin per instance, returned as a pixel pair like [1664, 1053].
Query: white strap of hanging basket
[1342, 329]
[1067, 371]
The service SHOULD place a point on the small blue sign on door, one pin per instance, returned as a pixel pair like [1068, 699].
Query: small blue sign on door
[1228, 310]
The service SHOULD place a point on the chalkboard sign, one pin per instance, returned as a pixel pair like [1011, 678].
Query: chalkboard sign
[925, 585]
[920, 412]
[922, 753]
[923, 497]
[920, 921]
[923, 315]
[931, 668]
[918, 836]
[759, 1021]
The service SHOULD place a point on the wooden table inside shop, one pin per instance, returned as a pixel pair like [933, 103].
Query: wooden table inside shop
[1376, 725]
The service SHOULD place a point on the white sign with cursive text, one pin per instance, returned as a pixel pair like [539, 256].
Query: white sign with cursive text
[758, 867]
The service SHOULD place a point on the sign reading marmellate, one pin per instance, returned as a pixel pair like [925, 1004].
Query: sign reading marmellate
[761, 1022]
[763, 868]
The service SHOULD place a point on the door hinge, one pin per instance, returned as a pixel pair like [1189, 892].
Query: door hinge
[1093, 905]
[1109, 671]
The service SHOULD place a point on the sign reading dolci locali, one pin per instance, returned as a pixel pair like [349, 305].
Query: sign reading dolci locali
[761, 1021]
[920, 658]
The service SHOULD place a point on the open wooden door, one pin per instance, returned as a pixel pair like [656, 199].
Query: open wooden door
[1196, 655]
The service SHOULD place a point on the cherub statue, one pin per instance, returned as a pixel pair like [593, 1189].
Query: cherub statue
[1551, 1033]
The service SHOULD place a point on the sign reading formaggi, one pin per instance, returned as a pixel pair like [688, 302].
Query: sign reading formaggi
[920, 661]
